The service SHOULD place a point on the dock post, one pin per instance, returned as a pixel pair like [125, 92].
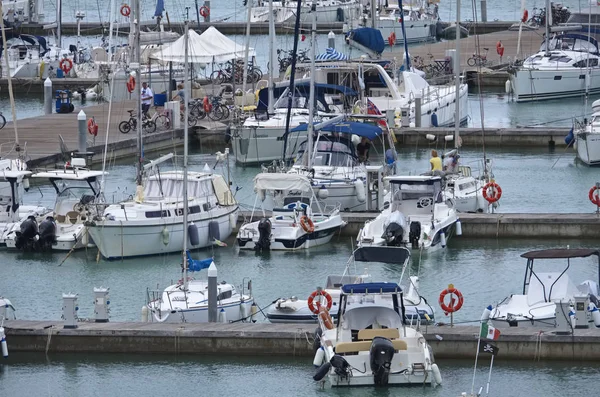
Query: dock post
[70, 310]
[418, 110]
[101, 302]
[483, 10]
[331, 40]
[212, 293]
[207, 5]
[48, 96]
[82, 128]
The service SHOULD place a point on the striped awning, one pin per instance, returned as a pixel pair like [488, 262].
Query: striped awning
[331, 54]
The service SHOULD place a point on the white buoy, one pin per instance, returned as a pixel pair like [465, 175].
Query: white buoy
[430, 137]
[232, 220]
[3, 343]
[572, 317]
[595, 313]
[458, 228]
[443, 239]
[243, 311]
[144, 314]
[26, 184]
[507, 86]
[319, 355]
[323, 193]
[165, 236]
[360, 190]
[486, 314]
[449, 138]
[222, 316]
[437, 375]
[253, 312]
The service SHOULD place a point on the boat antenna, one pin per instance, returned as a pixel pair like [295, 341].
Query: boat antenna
[292, 77]
[188, 90]
[10, 87]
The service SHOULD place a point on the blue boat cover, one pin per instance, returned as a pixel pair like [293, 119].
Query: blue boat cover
[368, 37]
[160, 7]
[303, 89]
[195, 265]
[368, 131]
[365, 288]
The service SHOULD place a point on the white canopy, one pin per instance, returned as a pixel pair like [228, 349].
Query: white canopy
[210, 46]
[275, 181]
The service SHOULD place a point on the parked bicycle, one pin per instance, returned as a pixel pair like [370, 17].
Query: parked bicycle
[218, 110]
[538, 18]
[229, 72]
[285, 58]
[478, 59]
[2, 121]
[148, 126]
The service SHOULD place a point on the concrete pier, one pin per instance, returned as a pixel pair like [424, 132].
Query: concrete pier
[266, 339]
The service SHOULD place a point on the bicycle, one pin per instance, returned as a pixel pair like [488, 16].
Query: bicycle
[478, 59]
[2, 121]
[538, 18]
[161, 119]
[218, 111]
[148, 126]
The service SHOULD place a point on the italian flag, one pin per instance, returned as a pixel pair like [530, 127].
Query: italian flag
[489, 332]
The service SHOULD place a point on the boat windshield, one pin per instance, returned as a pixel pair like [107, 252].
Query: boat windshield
[570, 43]
[416, 191]
[330, 151]
[157, 188]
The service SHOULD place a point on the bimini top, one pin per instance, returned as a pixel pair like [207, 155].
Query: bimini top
[561, 253]
[276, 181]
[373, 288]
[70, 174]
[348, 127]
[302, 88]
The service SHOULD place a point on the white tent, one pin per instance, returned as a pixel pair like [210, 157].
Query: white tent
[210, 46]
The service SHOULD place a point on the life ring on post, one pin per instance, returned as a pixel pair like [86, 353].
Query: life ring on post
[204, 11]
[594, 198]
[455, 304]
[307, 224]
[131, 84]
[326, 317]
[499, 48]
[315, 307]
[392, 39]
[495, 192]
[125, 10]
[66, 65]
[525, 16]
[92, 127]
[206, 105]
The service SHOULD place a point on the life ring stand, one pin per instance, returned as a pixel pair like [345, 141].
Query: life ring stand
[131, 84]
[66, 65]
[307, 224]
[204, 11]
[315, 307]
[326, 317]
[496, 192]
[125, 10]
[594, 198]
[92, 126]
[454, 306]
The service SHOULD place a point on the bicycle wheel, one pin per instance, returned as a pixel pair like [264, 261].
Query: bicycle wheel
[216, 113]
[2, 121]
[226, 112]
[471, 61]
[197, 111]
[124, 127]
[216, 77]
[257, 74]
[192, 120]
[162, 123]
[149, 126]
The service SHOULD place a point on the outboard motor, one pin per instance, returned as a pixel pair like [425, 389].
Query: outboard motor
[381, 354]
[415, 234]
[264, 235]
[27, 234]
[341, 366]
[393, 235]
[47, 234]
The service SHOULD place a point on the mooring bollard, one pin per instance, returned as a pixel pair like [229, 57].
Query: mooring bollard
[212, 293]
[48, 97]
[101, 302]
[82, 128]
[331, 40]
[70, 309]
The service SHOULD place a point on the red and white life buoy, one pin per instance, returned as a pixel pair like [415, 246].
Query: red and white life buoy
[492, 192]
[92, 127]
[326, 317]
[392, 39]
[455, 304]
[125, 10]
[66, 65]
[204, 11]
[593, 196]
[500, 48]
[314, 307]
[525, 16]
[131, 84]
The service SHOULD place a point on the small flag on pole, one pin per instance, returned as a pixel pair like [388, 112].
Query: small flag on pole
[487, 347]
[489, 332]
[219, 243]
[372, 109]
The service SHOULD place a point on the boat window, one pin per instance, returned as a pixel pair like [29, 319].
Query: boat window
[333, 78]
[592, 62]
[295, 199]
[224, 295]
[559, 58]
[466, 185]
[157, 214]
[195, 209]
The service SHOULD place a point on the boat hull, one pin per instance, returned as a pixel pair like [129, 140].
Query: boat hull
[532, 84]
[588, 148]
[234, 312]
[305, 241]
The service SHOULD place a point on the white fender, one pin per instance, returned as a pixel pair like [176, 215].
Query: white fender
[319, 355]
[443, 239]
[437, 375]
[595, 313]
[359, 185]
[144, 314]
[458, 228]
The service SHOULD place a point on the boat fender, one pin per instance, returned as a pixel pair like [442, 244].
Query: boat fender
[485, 316]
[319, 355]
[323, 193]
[458, 228]
[144, 314]
[232, 220]
[443, 239]
[3, 343]
[572, 317]
[193, 233]
[213, 231]
[253, 312]
[228, 134]
[322, 371]
[594, 313]
[359, 186]
[317, 339]
[26, 184]
[507, 87]
[222, 316]
[570, 137]
[434, 120]
[165, 236]
[437, 375]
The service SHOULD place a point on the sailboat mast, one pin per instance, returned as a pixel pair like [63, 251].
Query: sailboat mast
[272, 66]
[187, 90]
[548, 16]
[311, 95]
[58, 23]
[246, 54]
[457, 79]
[138, 95]
[404, 35]
[9, 79]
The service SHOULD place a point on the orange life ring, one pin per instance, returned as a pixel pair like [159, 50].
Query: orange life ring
[204, 11]
[594, 198]
[206, 105]
[311, 301]
[500, 48]
[131, 84]
[494, 195]
[392, 39]
[125, 10]
[307, 224]
[454, 306]
[66, 65]
[92, 127]
[326, 317]
[525, 16]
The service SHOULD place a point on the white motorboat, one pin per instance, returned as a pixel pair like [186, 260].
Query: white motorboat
[587, 138]
[370, 344]
[7, 310]
[294, 225]
[419, 217]
[568, 67]
[294, 310]
[328, 11]
[551, 298]
[77, 197]
[154, 224]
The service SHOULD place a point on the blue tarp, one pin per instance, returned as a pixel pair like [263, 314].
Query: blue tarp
[195, 265]
[348, 127]
[368, 37]
[331, 54]
[371, 287]
[160, 7]
[302, 89]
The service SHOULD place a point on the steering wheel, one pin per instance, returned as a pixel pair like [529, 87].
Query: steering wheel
[424, 202]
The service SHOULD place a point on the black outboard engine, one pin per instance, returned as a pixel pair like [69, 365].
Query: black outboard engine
[47, 234]
[26, 236]
[415, 234]
[393, 235]
[341, 366]
[264, 235]
[381, 354]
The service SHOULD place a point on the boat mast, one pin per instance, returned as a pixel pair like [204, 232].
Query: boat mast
[311, 95]
[138, 95]
[404, 35]
[457, 79]
[246, 54]
[187, 91]
[58, 23]
[9, 79]
[548, 17]
[270, 107]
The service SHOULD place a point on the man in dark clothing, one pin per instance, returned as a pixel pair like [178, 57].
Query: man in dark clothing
[362, 149]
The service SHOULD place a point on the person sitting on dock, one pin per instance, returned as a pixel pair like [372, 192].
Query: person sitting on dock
[147, 96]
[436, 163]
[362, 149]
[181, 96]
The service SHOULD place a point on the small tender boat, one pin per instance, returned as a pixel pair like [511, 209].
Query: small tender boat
[587, 138]
[370, 344]
[541, 304]
[418, 216]
[294, 225]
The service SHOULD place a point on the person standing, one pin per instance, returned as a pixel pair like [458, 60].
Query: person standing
[362, 149]
[436, 162]
[147, 96]
[181, 96]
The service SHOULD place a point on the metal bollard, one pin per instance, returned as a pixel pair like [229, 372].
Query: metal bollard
[82, 128]
[331, 40]
[48, 97]
[212, 293]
